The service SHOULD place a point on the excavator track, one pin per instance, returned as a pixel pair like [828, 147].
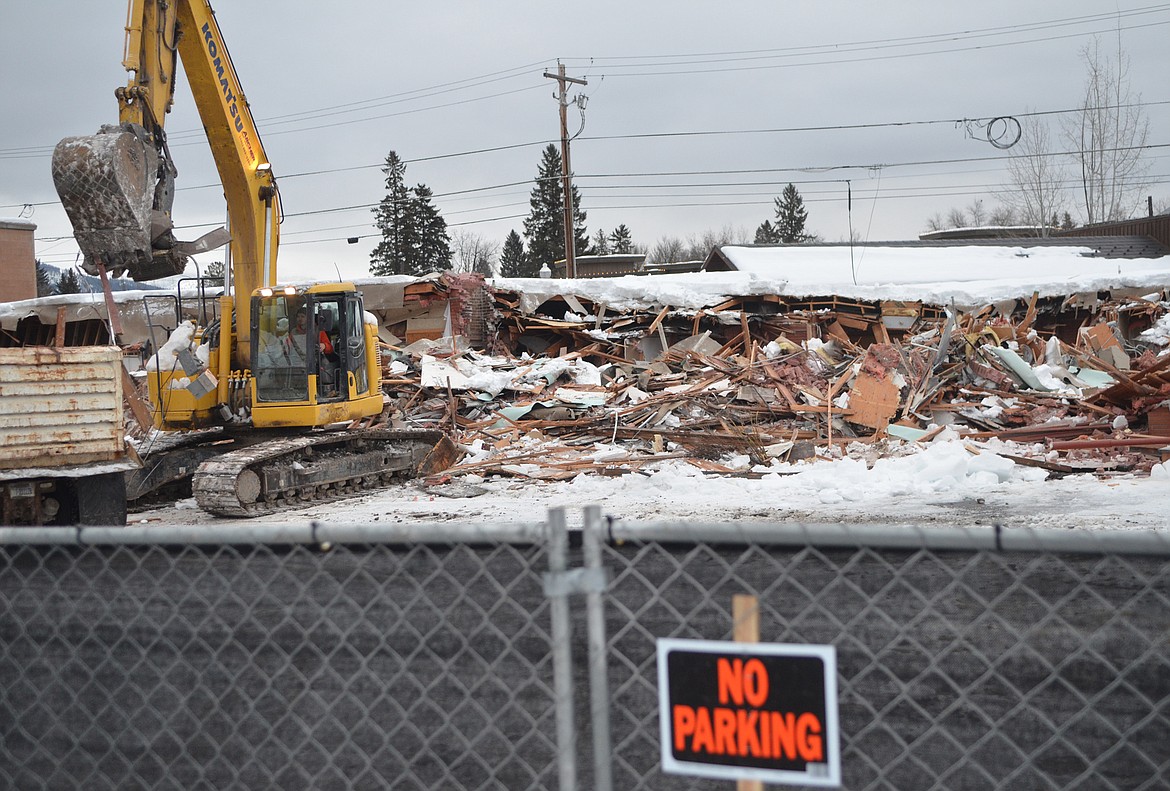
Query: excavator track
[295, 472]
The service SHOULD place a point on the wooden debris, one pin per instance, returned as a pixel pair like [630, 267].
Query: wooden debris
[726, 383]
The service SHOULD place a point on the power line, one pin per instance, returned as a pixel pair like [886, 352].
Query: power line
[904, 40]
[727, 56]
[810, 196]
[806, 194]
[949, 192]
[384, 116]
[196, 137]
[875, 125]
[858, 166]
[404, 96]
[712, 172]
[838, 61]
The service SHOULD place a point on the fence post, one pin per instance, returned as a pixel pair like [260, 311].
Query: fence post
[598, 677]
[558, 546]
[745, 628]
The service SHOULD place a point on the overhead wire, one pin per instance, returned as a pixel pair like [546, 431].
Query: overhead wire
[847, 61]
[871, 125]
[874, 45]
[518, 71]
[810, 196]
[404, 96]
[904, 40]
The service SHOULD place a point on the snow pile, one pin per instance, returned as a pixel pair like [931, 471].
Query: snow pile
[1158, 334]
[690, 291]
[969, 275]
[490, 376]
[947, 467]
[966, 275]
[166, 359]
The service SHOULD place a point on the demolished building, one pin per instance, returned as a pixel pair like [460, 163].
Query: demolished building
[771, 355]
[783, 352]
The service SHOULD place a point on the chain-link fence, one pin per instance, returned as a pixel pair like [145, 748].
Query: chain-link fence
[966, 659]
[408, 665]
[446, 657]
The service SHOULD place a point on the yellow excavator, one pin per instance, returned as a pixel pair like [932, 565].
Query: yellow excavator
[281, 363]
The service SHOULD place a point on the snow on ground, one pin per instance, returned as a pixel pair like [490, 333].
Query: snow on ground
[951, 483]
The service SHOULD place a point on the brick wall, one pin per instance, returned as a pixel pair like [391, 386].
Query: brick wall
[472, 312]
[18, 271]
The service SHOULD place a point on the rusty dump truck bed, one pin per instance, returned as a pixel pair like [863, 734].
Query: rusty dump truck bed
[60, 407]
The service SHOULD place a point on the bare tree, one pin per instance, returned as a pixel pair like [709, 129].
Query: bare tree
[1108, 137]
[1003, 216]
[699, 246]
[471, 252]
[973, 215]
[956, 218]
[1037, 192]
[696, 247]
[977, 213]
[668, 250]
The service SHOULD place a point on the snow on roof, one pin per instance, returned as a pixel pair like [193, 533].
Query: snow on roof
[689, 291]
[966, 275]
[969, 276]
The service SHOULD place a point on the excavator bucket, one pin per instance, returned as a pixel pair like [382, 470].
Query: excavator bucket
[107, 184]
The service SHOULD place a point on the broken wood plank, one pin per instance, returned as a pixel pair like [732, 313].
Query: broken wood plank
[874, 401]
[658, 320]
[133, 399]
[1029, 317]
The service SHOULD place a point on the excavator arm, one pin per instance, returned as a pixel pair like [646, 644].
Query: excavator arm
[118, 186]
[259, 381]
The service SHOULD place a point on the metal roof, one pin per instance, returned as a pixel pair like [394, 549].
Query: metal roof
[1105, 246]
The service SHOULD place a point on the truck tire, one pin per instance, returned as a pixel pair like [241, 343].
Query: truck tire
[101, 500]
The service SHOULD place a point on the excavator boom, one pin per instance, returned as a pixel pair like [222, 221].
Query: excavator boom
[118, 185]
[280, 368]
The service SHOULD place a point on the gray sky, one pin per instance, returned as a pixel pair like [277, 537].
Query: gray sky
[335, 86]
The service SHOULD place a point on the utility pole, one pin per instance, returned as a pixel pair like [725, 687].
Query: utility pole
[566, 181]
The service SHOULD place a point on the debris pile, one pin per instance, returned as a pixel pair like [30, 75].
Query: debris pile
[754, 384]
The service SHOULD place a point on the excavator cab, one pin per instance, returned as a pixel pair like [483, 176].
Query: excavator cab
[314, 357]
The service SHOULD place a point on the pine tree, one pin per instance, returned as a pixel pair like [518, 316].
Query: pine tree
[69, 283]
[414, 234]
[791, 216]
[513, 261]
[544, 228]
[601, 243]
[767, 234]
[390, 255]
[45, 285]
[621, 241]
[431, 250]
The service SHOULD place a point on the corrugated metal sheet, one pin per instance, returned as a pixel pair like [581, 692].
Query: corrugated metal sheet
[1156, 228]
[60, 406]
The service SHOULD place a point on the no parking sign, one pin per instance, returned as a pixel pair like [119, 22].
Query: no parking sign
[754, 711]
